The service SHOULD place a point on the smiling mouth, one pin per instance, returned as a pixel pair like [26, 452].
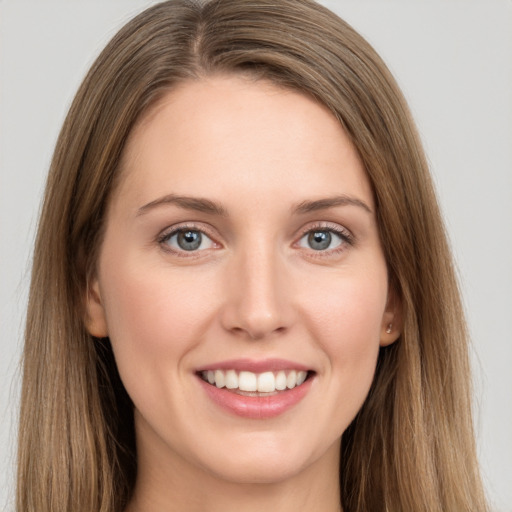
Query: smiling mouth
[255, 384]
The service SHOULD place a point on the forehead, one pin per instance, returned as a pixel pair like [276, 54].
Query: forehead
[219, 132]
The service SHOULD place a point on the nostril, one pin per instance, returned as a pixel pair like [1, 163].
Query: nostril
[257, 332]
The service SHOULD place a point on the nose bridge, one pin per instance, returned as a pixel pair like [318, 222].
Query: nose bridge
[257, 303]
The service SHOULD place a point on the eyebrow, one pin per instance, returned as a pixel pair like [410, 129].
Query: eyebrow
[197, 204]
[331, 202]
[210, 207]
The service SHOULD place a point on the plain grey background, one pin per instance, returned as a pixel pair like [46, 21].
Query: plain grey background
[453, 60]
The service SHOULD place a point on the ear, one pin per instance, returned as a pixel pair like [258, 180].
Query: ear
[391, 327]
[95, 321]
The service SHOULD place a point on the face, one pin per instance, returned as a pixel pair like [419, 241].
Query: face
[241, 281]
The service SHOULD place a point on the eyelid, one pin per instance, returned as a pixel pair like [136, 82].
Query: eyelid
[345, 234]
[170, 231]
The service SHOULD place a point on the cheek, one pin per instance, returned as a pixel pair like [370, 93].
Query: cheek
[152, 315]
[347, 311]
[346, 319]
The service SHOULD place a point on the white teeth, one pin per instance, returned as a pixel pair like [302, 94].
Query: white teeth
[280, 381]
[247, 381]
[291, 380]
[266, 382]
[219, 378]
[231, 379]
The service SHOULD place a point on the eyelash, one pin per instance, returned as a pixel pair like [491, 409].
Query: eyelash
[166, 235]
[346, 238]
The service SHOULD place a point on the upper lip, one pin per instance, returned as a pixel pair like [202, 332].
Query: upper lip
[255, 366]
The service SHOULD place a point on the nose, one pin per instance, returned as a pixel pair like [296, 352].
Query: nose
[257, 303]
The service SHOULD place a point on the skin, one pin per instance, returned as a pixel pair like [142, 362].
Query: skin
[255, 289]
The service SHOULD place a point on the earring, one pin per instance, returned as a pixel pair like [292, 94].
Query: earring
[388, 330]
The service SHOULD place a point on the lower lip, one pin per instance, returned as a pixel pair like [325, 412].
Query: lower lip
[256, 407]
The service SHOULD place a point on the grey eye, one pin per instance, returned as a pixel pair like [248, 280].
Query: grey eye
[189, 240]
[321, 240]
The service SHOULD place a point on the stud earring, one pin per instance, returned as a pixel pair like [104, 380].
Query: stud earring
[388, 330]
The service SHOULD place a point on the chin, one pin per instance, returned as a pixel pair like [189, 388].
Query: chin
[259, 471]
[267, 461]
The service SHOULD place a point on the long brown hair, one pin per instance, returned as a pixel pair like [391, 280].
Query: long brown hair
[411, 447]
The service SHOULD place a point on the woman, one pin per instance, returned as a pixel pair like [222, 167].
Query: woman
[200, 339]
